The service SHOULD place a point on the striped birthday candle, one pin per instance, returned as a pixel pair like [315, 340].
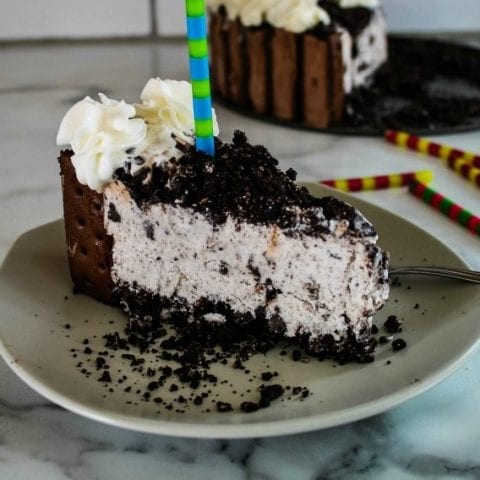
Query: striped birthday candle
[465, 163]
[200, 75]
[444, 205]
[378, 182]
[424, 145]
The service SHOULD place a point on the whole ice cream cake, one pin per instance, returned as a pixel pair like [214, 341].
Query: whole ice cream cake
[164, 231]
[295, 60]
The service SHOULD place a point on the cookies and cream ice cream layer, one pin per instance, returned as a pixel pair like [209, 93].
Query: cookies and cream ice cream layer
[316, 285]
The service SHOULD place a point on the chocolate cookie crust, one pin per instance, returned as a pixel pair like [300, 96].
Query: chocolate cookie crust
[145, 322]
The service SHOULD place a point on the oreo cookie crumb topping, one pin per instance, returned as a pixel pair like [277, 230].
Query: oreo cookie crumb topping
[269, 393]
[149, 230]
[291, 174]
[243, 182]
[399, 344]
[223, 268]
[267, 376]
[224, 407]
[100, 362]
[354, 19]
[393, 324]
[113, 214]
[404, 95]
[296, 355]
[105, 377]
[249, 407]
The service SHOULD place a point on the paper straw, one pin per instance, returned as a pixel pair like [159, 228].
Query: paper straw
[450, 209]
[467, 164]
[200, 75]
[378, 182]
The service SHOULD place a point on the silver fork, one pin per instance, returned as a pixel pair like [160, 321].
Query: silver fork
[456, 273]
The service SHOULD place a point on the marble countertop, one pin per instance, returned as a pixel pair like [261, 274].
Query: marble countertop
[435, 435]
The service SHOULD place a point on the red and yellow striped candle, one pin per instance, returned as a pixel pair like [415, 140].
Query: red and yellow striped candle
[446, 206]
[467, 164]
[461, 166]
[378, 182]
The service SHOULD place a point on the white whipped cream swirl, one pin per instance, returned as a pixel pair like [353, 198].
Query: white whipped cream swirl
[169, 103]
[99, 133]
[296, 16]
[359, 3]
[253, 13]
[168, 110]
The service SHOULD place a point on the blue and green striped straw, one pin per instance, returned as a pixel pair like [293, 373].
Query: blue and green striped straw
[200, 75]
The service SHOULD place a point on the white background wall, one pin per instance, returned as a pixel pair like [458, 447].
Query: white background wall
[20, 19]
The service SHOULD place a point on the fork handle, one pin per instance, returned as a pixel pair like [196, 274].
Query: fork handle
[457, 273]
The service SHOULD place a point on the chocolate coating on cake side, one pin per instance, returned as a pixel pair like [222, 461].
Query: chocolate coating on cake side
[89, 246]
[242, 181]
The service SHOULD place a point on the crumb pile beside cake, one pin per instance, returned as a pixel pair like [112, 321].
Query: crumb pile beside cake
[296, 60]
[166, 232]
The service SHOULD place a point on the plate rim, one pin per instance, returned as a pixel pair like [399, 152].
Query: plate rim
[248, 430]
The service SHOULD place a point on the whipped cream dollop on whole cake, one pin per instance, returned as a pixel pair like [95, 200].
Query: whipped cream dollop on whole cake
[165, 231]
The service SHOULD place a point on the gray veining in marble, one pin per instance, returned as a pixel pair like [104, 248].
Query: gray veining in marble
[436, 435]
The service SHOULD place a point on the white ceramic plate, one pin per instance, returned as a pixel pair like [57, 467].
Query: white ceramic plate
[440, 333]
